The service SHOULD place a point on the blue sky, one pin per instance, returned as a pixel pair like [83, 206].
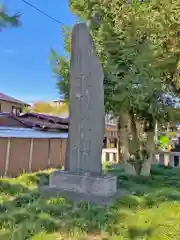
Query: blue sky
[25, 71]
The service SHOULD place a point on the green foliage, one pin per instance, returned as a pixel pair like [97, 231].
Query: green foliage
[172, 134]
[164, 142]
[139, 48]
[43, 107]
[61, 68]
[149, 211]
[61, 64]
[8, 21]
[25, 109]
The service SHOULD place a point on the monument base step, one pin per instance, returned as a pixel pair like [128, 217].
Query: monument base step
[94, 189]
[49, 192]
[104, 185]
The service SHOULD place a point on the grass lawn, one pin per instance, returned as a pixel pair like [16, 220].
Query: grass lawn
[151, 211]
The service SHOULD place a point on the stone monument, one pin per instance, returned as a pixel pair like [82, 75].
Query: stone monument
[87, 122]
[83, 170]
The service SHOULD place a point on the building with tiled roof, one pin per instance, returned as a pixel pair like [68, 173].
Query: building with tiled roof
[10, 104]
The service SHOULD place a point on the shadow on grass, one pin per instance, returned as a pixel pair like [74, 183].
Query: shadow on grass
[12, 189]
[27, 213]
[138, 233]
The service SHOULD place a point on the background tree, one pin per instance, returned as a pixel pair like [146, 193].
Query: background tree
[43, 107]
[8, 21]
[138, 45]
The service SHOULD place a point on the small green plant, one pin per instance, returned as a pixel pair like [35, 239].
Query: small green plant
[164, 142]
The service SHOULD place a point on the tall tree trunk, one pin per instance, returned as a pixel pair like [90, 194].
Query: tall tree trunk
[124, 144]
[123, 152]
[125, 149]
[168, 128]
[135, 144]
[134, 147]
[146, 166]
[119, 140]
[156, 135]
[156, 132]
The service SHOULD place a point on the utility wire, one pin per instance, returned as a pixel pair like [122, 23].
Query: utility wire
[59, 22]
[42, 12]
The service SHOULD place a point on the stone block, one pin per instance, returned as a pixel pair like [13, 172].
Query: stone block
[104, 185]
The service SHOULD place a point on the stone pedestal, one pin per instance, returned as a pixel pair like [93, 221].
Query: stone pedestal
[83, 184]
[104, 185]
[94, 189]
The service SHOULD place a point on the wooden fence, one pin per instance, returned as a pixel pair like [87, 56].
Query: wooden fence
[18, 155]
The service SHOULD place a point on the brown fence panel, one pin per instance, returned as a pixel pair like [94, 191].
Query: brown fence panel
[63, 151]
[56, 158]
[26, 155]
[3, 148]
[40, 154]
[18, 156]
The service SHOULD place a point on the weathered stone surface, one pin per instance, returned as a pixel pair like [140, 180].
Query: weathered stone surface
[86, 130]
[81, 183]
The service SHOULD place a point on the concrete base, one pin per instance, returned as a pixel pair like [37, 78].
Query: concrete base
[104, 185]
[49, 192]
[81, 187]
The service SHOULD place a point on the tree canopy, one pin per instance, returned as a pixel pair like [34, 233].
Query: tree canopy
[44, 107]
[136, 43]
[8, 21]
[139, 48]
